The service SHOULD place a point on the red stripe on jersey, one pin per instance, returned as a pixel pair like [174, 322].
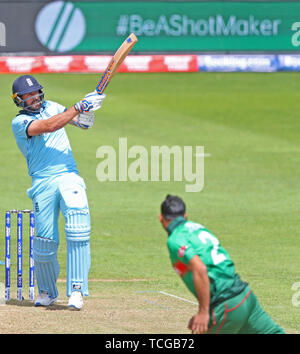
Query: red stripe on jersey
[180, 268]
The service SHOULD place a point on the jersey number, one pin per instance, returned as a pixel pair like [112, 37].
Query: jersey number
[217, 258]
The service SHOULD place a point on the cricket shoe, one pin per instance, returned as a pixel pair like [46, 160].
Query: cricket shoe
[76, 300]
[45, 299]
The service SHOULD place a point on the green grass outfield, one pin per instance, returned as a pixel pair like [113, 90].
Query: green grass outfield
[249, 125]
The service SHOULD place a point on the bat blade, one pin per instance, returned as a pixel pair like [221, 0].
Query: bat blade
[115, 62]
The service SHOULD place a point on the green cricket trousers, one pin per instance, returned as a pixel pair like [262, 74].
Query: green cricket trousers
[242, 314]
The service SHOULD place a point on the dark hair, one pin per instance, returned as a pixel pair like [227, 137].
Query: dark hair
[172, 207]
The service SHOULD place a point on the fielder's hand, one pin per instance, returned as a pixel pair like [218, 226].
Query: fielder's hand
[91, 102]
[198, 324]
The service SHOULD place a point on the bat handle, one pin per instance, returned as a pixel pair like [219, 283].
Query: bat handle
[102, 84]
[105, 78]
[99, 90]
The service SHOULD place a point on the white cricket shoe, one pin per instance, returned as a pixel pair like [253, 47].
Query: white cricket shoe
[76, 300]
[45, 299]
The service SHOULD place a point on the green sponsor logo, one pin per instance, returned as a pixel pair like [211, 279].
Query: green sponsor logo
[60, 26]
[182, 25]
[170, 26]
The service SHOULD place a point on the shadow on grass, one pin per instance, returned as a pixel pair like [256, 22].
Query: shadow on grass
[28, 303]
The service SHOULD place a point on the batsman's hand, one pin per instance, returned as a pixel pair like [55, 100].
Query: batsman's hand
[85, 120]
[91, 102]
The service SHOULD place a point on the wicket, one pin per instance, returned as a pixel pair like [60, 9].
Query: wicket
[19, 253]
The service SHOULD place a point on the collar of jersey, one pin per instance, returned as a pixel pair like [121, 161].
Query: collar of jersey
[175, 223]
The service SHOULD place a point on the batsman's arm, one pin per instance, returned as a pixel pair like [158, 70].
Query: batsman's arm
[199, 322]
[90, 103]
[52, 124]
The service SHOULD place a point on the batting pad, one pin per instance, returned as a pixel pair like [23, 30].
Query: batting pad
[77, 229]
[78, 266]
[46, 265]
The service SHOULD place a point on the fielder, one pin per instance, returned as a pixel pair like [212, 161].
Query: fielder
[56, 186]
[226, 303]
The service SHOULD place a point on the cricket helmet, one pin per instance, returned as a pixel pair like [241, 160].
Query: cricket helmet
[23, 85]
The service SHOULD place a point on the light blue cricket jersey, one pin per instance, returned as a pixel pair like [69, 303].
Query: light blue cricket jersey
[48, 154]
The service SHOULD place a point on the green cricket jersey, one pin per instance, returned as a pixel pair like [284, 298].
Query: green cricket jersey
[188, 239]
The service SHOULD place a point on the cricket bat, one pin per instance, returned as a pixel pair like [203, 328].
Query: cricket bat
[115, 62]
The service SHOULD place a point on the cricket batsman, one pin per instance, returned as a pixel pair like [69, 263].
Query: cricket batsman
[56, 186]
[227, 305]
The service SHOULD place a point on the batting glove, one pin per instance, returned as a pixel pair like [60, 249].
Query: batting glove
[85, 120]
[91, 102]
